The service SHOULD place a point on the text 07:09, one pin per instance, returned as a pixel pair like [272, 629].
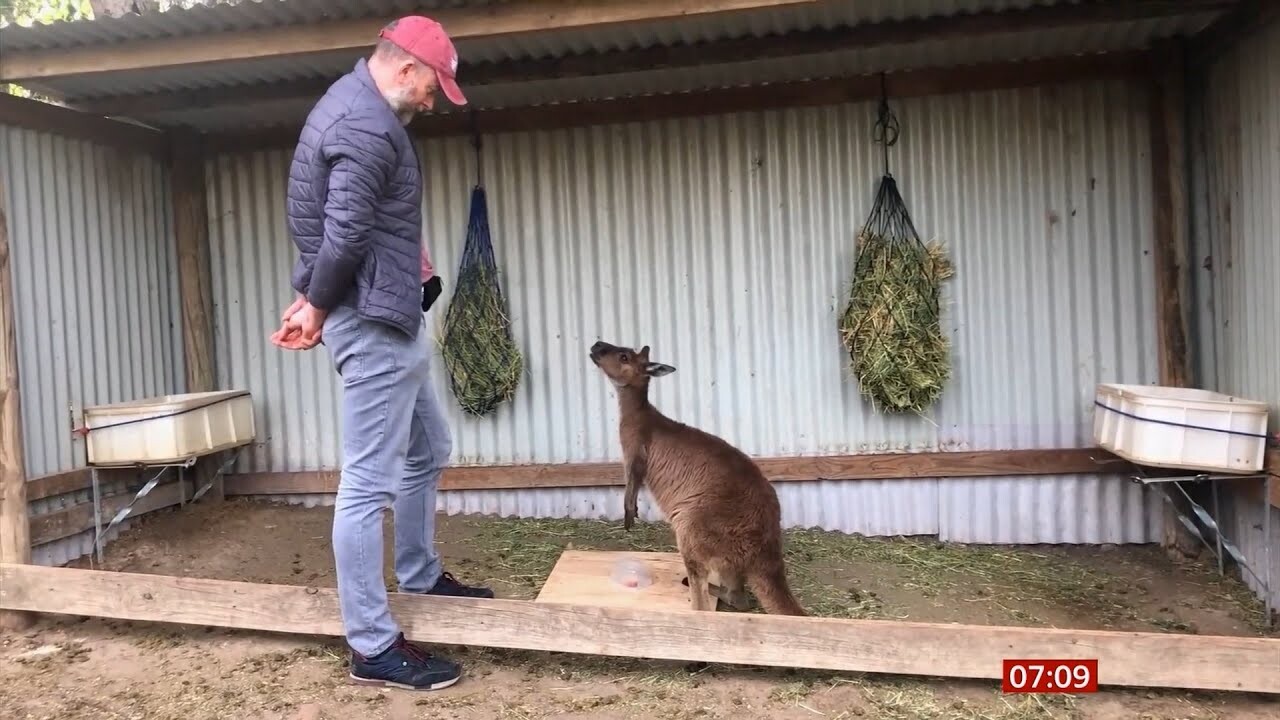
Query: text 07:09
[1049, 676]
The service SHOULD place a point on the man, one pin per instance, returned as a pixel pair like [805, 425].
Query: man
[363, 283]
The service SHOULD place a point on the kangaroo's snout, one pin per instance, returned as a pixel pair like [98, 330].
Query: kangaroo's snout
[602, 348]
[599, 349]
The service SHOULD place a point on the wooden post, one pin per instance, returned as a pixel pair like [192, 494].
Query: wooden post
[1171, 192]
[15, 528]
[191, 231]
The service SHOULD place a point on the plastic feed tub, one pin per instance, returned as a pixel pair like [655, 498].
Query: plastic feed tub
[1149, 425]
[168, 429]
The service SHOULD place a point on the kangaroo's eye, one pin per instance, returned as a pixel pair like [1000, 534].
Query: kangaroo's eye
[625, 358]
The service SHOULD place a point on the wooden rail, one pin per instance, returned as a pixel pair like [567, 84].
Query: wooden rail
[871, 466]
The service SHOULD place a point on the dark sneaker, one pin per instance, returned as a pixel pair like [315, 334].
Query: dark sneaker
[448, 585]
[404, 665]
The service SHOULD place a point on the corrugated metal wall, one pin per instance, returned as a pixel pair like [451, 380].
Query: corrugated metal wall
[726, 243]
[1236, 161]
[96, 293]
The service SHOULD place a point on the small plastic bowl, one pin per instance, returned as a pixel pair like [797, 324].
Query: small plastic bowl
[631, 574]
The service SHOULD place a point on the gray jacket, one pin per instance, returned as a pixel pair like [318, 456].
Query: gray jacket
[355, 206]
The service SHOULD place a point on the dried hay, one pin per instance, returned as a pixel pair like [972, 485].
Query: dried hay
[891, 326]
[482, 359]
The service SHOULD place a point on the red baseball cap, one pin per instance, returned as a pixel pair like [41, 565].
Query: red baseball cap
[426, 40]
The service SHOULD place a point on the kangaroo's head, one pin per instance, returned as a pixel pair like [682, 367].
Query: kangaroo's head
[627, 367]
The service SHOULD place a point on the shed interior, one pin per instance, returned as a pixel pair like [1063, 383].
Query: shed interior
[646, 162]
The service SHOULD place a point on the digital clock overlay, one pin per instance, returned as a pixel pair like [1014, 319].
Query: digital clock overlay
[1049, 676]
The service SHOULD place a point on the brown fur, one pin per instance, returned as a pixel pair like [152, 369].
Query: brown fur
[724, 512]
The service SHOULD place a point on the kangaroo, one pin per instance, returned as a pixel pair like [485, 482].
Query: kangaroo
[724, 512]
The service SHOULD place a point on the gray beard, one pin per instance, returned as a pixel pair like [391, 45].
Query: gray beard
[402, 109]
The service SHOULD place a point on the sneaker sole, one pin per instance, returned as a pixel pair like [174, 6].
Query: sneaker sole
[369, 682]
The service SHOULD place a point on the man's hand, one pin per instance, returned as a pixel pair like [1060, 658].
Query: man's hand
[300, 327]
[295, 307]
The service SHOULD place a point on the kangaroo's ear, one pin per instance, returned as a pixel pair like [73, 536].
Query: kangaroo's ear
[654, 369]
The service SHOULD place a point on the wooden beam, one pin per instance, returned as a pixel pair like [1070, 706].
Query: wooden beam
[872, 466]
[191, 233]
[1169, 168]
[61, 483]
[79, 518]
[1168, 660]
[751, 48]
[830, 91]
[76, 480]
[882, 466]
[1171, 223]
[494, 21]
[45, 117]
[15, 530]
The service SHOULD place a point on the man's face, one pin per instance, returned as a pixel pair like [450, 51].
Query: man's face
[415, 90]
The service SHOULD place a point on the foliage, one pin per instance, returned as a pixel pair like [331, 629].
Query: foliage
[28, 12]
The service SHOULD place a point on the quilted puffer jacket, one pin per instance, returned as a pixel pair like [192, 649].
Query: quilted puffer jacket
[355, 206]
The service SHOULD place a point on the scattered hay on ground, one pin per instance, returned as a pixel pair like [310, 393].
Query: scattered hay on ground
[1013, 581]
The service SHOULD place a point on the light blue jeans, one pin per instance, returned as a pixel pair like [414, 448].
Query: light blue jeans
[395, 444]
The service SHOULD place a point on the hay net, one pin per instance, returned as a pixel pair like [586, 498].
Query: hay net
[891, 326]
[482, 360]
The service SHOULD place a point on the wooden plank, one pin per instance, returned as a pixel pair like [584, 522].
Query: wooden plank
[191, 235]
[1171, 223]
[54, 484]
[919, 82]
[1199, 662]
[699, 54]
[1169, 170]
[871, 466]
[582, 577]
[45, 117]
[506, 20]
[15, 531]
[76, 480]
[78, 518]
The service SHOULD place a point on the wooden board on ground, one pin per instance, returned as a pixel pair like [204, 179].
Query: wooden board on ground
[1244, 664]
[583, 577]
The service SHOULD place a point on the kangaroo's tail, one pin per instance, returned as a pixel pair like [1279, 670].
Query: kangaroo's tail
[770, 586]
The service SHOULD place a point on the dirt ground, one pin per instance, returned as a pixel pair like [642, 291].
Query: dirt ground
[88, 668]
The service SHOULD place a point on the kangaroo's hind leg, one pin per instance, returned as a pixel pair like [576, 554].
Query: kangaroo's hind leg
[732, 589]
[700, 595]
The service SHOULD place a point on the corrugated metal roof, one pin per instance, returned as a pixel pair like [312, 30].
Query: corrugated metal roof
[1081, 38]
[938, 53]
[225, 15]
[230, 15]
[552, 42]
[257, 14]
